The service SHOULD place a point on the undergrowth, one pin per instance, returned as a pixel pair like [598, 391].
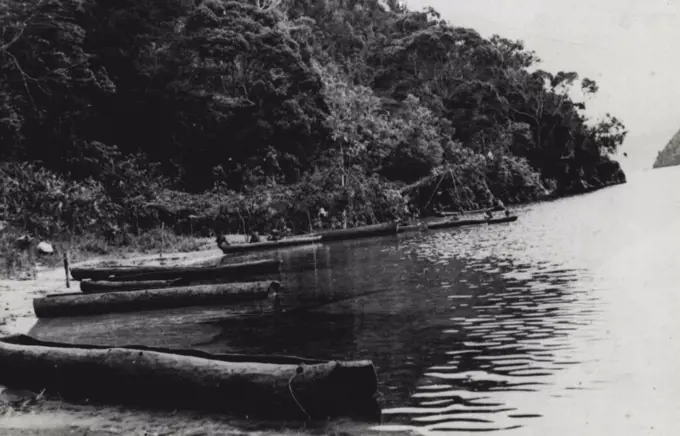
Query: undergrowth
[17, 263]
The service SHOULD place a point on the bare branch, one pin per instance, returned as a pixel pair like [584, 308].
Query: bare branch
[24, 76]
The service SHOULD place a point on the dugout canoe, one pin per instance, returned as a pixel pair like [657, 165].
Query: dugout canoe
[267, 386]
[268, 245]
[359, 232]
[93, 286]
[470, 212]
[459, 223]
[412, 228]
[446, 214]
[76, 304]
[167, 272]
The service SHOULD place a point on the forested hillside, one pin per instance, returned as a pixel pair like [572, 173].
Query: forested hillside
[670, 155]
[229, 115]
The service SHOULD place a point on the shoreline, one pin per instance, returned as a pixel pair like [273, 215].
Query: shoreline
[54, 278]
[52, 417]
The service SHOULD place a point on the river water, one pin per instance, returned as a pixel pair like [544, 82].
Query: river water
[563, 323]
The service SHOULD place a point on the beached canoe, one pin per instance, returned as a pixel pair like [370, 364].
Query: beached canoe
[360, 232]
[255, 385]
[93, 286]
[459, 223]
[76, 304]
[159, 272]
[268, 245]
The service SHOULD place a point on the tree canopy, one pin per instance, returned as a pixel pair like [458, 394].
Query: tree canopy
[239, 94]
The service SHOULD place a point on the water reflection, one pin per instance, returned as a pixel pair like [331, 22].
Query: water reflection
[460, 339]
[504, 338]
[555, 324]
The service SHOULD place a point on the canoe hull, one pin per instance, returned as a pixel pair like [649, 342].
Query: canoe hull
[270, 245]
[240, 384]
[360, 232]
[412, 228]
[95, 286]
[470, 212]
[78, 304]
[461, 223]
[137, 273]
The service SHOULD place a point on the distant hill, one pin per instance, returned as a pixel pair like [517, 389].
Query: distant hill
[670, 155]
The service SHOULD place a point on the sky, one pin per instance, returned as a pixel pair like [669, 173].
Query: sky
[629, 47]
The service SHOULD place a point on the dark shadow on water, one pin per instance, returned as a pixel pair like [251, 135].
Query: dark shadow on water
[450, 332]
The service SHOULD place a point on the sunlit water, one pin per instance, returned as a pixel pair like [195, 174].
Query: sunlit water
[565, 322]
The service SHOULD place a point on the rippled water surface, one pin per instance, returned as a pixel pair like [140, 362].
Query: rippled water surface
[565, 322]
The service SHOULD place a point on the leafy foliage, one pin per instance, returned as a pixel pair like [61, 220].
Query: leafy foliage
[219, 114]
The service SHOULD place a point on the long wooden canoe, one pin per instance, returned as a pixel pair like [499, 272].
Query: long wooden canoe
[471, 212]
[159, 272]
[267, 245]
[94, 286]
[266, 386]
[411, 228]
[360, 232]
[75, 304]
[446, 214]
[460, 223]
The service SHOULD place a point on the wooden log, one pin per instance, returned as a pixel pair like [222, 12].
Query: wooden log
[169, 272]
[360, 232]
[94, 286]
[268, 245]
[129, 301]
[267, 386]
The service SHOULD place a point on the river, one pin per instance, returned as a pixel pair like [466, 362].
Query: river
[562, 323]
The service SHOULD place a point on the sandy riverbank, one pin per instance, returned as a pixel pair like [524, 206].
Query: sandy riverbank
[51, 417]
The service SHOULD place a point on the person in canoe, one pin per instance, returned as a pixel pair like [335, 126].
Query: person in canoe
[335, 223]
[274, 235]
[255, 237]
[279, 231]
[321, 217]
[222, 241]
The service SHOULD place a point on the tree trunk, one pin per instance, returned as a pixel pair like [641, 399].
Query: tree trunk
[129, 301]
